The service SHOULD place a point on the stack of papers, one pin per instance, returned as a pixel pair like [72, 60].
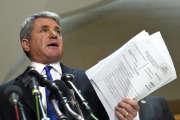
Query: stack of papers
[135, 70]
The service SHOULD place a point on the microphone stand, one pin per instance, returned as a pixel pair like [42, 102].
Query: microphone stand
[17, 112]
[60, 115]
[22, 111]
[67, 78]
[36, 94]
[76, 103]
[54, 102]
[44, 116]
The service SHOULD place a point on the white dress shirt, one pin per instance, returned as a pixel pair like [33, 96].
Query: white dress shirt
[56, 73]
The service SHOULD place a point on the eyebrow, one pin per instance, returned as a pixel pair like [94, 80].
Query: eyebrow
[46, 26]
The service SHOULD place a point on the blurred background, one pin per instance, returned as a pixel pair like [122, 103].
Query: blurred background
[93, 29]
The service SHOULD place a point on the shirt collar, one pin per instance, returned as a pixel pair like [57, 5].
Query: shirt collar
[40, 67]
[56, 66]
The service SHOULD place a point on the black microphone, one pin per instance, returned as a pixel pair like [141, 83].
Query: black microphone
[14, 93]
[34, 75]
[68, 78]
[57, 90]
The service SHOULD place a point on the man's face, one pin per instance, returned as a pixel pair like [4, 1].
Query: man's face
[46, 45]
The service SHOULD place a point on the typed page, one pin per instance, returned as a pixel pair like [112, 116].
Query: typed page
[133, 71]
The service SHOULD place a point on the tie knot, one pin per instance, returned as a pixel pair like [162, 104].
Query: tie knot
[48, 68]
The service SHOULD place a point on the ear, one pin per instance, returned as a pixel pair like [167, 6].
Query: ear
[26, 45]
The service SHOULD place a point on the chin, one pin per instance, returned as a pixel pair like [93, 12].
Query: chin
[53, 59]
[54, 56]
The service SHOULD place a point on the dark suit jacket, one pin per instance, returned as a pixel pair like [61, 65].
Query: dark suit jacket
[154, 109]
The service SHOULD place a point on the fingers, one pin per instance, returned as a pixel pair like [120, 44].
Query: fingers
[132, 102]
[122, 114]
[127, 109]
[130, 105]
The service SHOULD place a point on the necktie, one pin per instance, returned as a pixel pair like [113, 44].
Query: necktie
[50, 110]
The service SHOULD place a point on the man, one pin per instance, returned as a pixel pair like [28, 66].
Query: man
[41, 40]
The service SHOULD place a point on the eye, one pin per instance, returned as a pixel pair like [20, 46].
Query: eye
[44, 30]
[59, 32]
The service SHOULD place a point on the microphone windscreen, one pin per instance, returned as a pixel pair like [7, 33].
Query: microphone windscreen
[33, 74]
[66, 76]
[62, 87]
[29, 74]
[12, 89]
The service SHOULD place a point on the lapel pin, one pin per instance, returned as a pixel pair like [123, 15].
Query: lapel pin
[143, 101]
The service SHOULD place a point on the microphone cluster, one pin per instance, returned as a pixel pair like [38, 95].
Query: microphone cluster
[59, 91]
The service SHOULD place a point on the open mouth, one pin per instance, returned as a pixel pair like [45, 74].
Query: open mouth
[53, 45]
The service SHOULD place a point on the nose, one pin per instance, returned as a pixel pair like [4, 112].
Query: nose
[53, 34]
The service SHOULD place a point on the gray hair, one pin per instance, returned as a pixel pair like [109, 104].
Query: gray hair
[27, 25]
